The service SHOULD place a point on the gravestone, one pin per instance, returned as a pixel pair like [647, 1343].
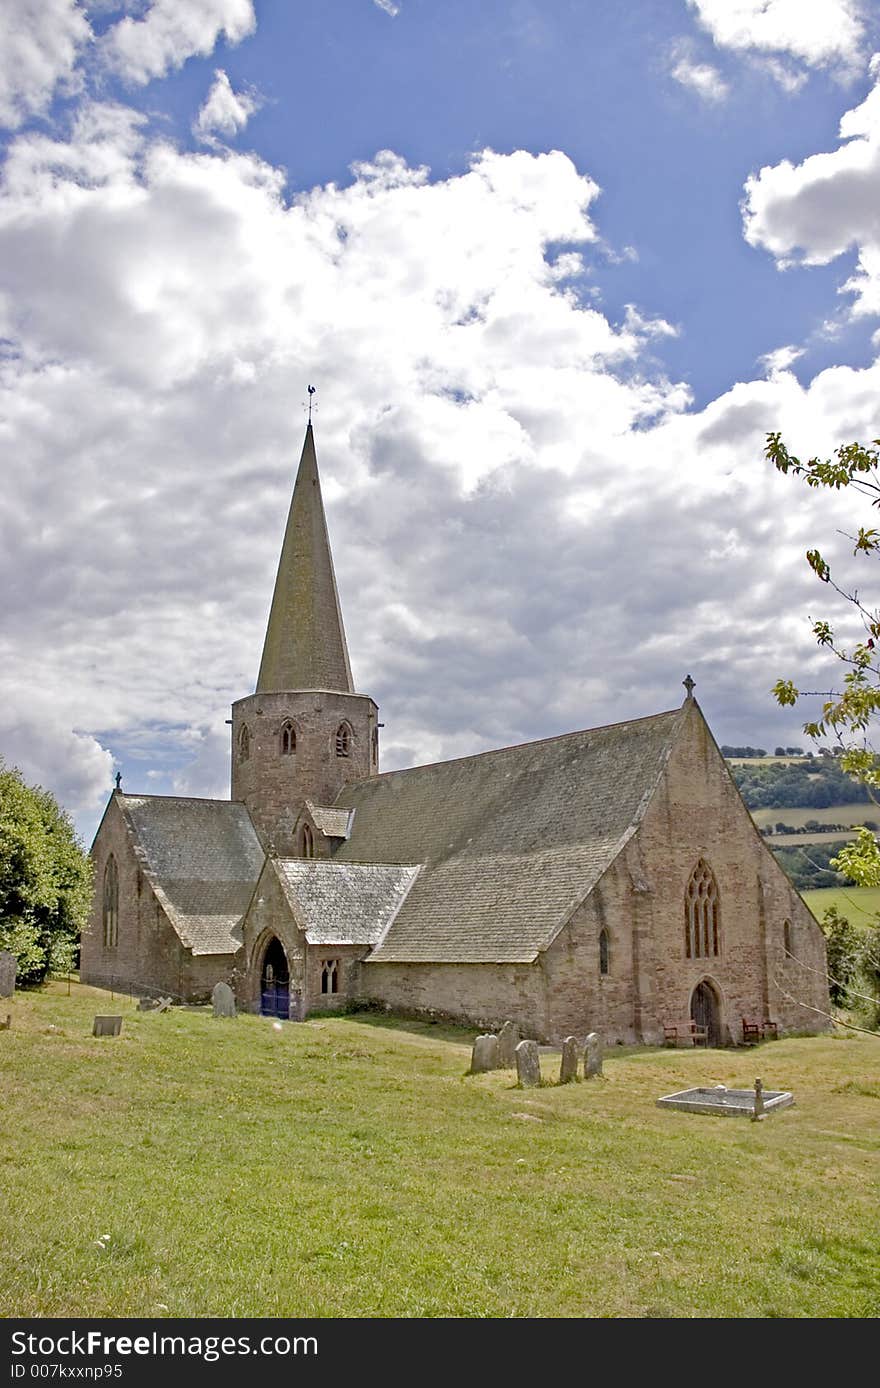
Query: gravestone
[528, 1064]
[568, 1069]
[8, 966]
[146, 1004]
[107, 1026]
[593, 1056]
[164, 1005]
[7, 1025]
[485, 1055]
[508, 1040]
[223, 999]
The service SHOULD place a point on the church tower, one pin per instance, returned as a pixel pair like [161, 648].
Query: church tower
[304, 733]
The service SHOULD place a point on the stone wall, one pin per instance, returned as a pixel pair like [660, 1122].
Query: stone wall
[148, 956]
[274, 785]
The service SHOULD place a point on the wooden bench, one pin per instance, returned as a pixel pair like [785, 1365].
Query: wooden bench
[770, 1031]
[688, 1031]
[751, 1032]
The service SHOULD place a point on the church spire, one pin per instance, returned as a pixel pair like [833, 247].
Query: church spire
[305, 644]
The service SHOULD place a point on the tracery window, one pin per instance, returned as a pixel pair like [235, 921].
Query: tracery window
[288, 738]
[343, 740]
[244, 743]
[308, 842]
[330, 970]
[603, 951]
[702, 917]
[111, 904]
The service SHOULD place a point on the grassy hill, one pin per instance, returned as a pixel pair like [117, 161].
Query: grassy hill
[348, 1167]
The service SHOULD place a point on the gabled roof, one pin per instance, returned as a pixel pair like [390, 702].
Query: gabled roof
[202, 858]
[343, 903]
[305, 645]
[511, 841]
[332, 823]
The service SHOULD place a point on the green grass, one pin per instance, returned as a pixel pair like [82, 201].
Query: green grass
[798, 815]
[348, 1167]
[858, 904]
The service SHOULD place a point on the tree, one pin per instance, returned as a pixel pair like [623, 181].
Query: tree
[842, 943]
[45, 879]
[849, 711]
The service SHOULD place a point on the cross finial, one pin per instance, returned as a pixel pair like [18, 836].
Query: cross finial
[689, 686]
[119, 780]
[311, 393]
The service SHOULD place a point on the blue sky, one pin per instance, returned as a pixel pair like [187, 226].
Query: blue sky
[605, 250]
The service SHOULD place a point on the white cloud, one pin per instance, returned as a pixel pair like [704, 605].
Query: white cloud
[699, 77]
[40, 41]
[780, 359]
[388, 6]
[812, 212]
[818, 33]
[530, 532]
[224, 112]
[171, 31]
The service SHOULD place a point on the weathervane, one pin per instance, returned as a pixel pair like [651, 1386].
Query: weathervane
[311, 393]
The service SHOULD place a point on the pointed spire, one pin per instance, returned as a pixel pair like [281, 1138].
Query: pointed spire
[305, 640]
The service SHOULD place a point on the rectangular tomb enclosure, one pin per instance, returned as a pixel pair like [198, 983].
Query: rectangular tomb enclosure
[729, 1103]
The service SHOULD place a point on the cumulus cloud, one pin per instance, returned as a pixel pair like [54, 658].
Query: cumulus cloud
[812, 212]
[702, 78]
[40, 41]
[531, 533]
[825, 34]
[224, 112]
[170, 32]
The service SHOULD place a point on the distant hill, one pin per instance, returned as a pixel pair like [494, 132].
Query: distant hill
[808, 783]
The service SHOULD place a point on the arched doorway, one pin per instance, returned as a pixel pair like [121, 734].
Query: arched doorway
[275, 982]
[705, 1011]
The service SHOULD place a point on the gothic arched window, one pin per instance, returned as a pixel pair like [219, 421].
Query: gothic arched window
[702, 917]
[111, 904]
[603, 951]
[244, 743]
[330, 975]
[343, 740]
[288, 738]
[308, 842]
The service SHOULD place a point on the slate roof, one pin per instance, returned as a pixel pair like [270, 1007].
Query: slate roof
[333, 824]
[511, 840]
[203, 859]
[343, 903]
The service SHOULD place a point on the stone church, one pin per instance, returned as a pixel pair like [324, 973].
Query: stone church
[607, 880]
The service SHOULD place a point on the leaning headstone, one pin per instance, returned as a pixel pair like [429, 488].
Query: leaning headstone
[508, 1040]
[7, 1025]
[593, 1055]
[568, 1069]
[164, 1005]
[485, 1055]
[107, 1026]
[223, 999]
[8, 965]
[528, 1064]
[146, 1004]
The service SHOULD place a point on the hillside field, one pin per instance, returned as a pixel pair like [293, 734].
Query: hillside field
[797, 815]
[350, 1167]
[858, 904]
